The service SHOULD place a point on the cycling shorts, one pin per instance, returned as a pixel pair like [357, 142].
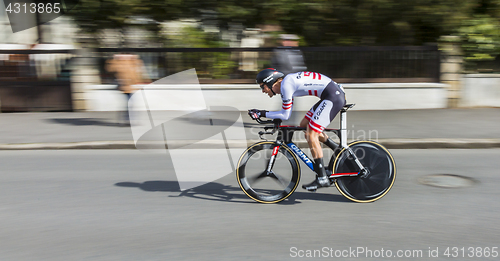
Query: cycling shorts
[325, 110]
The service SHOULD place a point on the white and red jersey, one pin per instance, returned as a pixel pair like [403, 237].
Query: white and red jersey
[296, 85]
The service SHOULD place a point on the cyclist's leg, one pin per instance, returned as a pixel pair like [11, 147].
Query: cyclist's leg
[322, 115]
[334, 93]
[318, 120]
[319, 117]
[312, 137]
[305, 122]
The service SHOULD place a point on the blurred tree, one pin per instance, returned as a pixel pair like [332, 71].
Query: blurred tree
[481, 40]
[369, 22]
[214, 65]
[246, 12]
[346, 22]
[319, 22]
[92, 16]
[479, 32]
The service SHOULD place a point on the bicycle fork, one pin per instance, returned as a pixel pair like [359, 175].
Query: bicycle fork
[272, 159]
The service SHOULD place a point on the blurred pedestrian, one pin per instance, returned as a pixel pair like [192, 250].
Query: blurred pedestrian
[287, 58]
[128, 71]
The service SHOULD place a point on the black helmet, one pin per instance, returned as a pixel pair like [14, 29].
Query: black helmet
[268, 77]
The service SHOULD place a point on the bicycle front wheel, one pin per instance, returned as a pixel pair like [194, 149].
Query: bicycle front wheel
[381, 172]
[268, 179]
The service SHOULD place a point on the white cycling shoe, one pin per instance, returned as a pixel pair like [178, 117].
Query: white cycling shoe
[319, 182]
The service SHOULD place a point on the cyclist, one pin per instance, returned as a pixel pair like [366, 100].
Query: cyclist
[332, 99]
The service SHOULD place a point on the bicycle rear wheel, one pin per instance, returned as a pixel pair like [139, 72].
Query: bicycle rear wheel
[381, 176]
[268, 186]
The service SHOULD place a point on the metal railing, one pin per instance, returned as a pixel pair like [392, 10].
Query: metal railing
[376, 64]
[344, 64]
[35, 80]
[238, 65]
[35, 65]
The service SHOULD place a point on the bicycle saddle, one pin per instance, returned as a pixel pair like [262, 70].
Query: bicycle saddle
[348, 106]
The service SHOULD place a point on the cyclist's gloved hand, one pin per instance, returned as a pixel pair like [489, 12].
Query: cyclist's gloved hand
[256, 114]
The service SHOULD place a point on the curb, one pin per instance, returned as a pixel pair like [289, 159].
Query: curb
[441, 143]
[217, 144]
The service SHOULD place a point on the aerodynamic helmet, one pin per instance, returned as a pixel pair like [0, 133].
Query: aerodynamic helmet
[268, 77]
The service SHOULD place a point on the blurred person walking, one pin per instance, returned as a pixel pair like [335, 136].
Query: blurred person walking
[287, 58]
[128, 71]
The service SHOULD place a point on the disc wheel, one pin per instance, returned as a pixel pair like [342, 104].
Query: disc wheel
[268, 186]
[379, 179]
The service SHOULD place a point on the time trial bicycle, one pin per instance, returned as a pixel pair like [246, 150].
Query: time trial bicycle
[269, 171]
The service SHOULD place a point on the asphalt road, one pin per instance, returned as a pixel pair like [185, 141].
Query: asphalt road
[126, 205]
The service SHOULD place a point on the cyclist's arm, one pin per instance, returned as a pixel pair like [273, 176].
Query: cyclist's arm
[284, 114]
[287, 91]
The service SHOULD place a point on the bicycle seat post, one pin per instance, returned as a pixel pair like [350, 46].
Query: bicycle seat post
[343, 128]
[343, 125]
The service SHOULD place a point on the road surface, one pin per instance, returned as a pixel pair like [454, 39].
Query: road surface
[126, 205]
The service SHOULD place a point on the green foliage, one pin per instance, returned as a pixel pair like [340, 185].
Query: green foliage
[92, 16]
[480, 40]
[212, 65]
[318, 22]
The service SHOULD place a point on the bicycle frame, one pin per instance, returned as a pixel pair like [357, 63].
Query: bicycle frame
[285, 136]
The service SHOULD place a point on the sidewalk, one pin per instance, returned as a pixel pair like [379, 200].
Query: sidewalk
[434, 128]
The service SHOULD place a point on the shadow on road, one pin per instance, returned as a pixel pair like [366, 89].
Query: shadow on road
[220, 192]
[87, 122]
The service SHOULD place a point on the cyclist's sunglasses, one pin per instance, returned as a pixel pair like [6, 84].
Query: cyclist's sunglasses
[262, 85]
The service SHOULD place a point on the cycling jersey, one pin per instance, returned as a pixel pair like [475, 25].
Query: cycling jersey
[311, 84]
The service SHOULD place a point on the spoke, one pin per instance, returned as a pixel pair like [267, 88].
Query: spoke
[255, 179]
[278, 178]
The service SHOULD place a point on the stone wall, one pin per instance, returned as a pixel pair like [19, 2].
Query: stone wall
[480, 90]
[370, 96]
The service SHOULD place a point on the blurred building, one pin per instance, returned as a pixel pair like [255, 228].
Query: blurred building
[60, 30]
[51, 63]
